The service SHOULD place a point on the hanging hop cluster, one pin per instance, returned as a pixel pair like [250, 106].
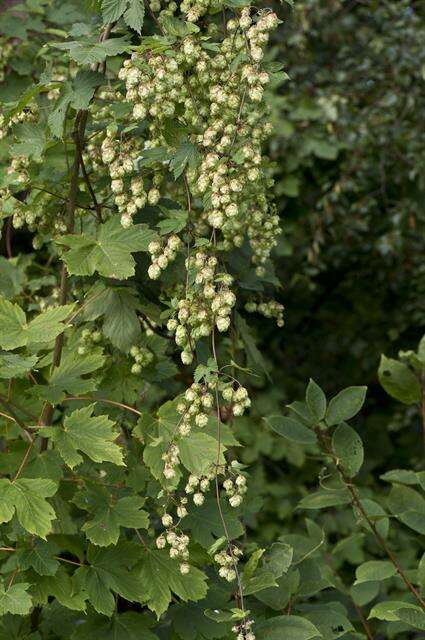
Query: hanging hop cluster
[29, 114]
[161, 255]
[178, 543]
[220, 94]
[209, 301]
[153, 85]
[235, 490]
[244, 631]
[128, 189]
[87, 339]
[171, 461]
[227, 559]
[238, 398]
[231, 177]
[271, 309]
[142, 356]
[194, 407]
[197, 486]
[6, 50]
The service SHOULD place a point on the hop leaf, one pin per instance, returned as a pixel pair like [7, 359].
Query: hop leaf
[27, 497]
[104, 528]
[110, 253]
[15, 599]
[161, 577]
[93, 435]
[16, 332]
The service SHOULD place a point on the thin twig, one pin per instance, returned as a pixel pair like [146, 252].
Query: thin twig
[97, 206]
[59, 197]
[217, 488]
[9, 237]
[423, 405]
[106, 401]
[357, 503]
[24, 461]
[16, 418]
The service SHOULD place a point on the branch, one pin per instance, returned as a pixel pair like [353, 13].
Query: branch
[357, 503]
[78, 136]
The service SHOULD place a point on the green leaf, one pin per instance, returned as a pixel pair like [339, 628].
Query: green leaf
[175, 222]
[255, 358]
[291, 627]
[15, 331]
[225, 616]
[187, 155]
[110, 253]
[56, 119]
[175, 27]
[27, 496]
[31, 141]
[104, 528]
[150, 157]
[130, 625]
[263, 580]
[113, 9]
[161, 577]
[421, 350]
[289, 186]
[316, 400]
[399, 381]
[198, 452]
[90, 52]
[84, 86]
[15, 366]
[345, 405]
[421, 573]
[323, 149]
[112, 570]
[389, 610]
[331, 622]
[118, 307]
[291, 429]
[135, 15]
[206, 526]
[401, 476]
[68, 376]
[414, 617]
[408, 506]
[62, 587]
[278, 558]
[12, 325]
[49, 324]
[15, 599]
[93, 435]
[325, 498]
[348, 448]
[375, 571]
[39, 556]
[12, 277]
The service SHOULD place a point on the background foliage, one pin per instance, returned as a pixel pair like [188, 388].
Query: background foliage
[347, 159]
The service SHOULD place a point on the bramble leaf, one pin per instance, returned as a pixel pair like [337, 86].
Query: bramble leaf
[346, 404]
